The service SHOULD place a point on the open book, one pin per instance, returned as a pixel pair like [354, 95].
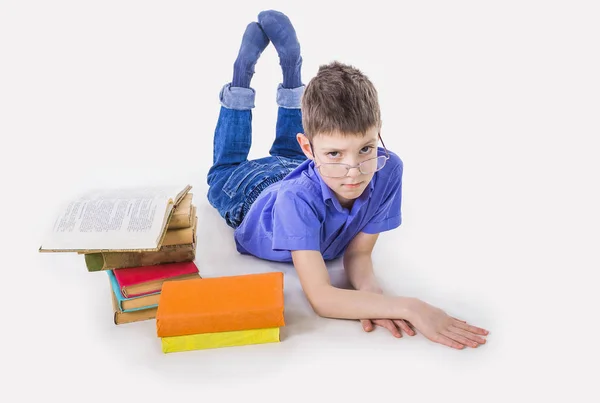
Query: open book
[126, 220]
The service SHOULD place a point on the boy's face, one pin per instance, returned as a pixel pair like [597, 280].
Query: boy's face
[343, 149]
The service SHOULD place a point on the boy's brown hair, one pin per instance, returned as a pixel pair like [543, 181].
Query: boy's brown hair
[341, 99]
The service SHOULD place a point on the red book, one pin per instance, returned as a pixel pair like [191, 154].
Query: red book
[143, 280]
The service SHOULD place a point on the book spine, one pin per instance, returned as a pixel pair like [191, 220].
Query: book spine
[221, 339]
[231, 321]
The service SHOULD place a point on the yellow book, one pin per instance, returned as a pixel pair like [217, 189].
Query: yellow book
[202, 341]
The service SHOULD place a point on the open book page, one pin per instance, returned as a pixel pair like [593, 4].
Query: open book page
[115, 219]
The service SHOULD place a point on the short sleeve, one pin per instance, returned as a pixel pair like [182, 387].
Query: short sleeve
[388, 215]
[296, 223]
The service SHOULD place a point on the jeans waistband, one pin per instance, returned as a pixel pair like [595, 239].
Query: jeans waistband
[251, 198]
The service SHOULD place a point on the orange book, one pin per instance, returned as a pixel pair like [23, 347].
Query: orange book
[220, 304]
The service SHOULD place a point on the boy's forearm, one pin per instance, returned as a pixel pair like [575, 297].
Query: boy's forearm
[339, 303]
[359, 269]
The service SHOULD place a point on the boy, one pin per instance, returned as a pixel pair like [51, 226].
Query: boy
[326, 190]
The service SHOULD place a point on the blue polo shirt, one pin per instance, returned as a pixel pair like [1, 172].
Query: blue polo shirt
[300, 212]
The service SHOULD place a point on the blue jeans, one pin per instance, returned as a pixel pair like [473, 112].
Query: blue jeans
[234, 181]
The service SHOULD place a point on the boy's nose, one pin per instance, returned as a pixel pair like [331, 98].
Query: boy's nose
[354, 172]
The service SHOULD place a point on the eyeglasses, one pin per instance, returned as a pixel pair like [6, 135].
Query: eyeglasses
[339, 170]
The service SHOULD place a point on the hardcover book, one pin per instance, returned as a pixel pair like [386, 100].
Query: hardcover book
[221, 304]
[142, 280]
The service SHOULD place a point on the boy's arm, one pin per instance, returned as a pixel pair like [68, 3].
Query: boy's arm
[332, 302]
[359, 265]
[329, 301]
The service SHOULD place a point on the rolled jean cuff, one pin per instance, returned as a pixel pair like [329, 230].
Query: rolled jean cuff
[289, 98]
[239, 98]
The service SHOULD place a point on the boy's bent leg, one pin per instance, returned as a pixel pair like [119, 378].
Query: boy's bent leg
[280, 31]
[289, 123]
[233, 134]
[231, 145]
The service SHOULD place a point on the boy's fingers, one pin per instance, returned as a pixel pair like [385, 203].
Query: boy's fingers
[447, 342]
[404, 326]
[367, 325]
[470, 328]
[410, 325]
[389, 325]
[460, 339]
[466, 334]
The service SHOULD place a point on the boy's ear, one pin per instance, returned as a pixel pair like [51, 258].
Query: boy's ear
[304, 145]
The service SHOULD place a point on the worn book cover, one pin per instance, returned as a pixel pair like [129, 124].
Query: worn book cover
[221, 304]
[115, 260]
[120, 317]
[142, 280]
[221, 339]
[125, 220]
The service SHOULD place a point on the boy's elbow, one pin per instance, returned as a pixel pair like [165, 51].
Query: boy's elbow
[319, 309]
[321, 302]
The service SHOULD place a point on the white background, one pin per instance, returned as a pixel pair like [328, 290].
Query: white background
[493, 107]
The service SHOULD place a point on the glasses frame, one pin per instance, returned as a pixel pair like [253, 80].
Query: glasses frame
[349, 167]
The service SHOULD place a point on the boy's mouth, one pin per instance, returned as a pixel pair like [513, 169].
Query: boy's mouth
[352, 185]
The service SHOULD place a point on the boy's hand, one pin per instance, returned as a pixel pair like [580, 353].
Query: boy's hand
[442, 328]
[395, 326]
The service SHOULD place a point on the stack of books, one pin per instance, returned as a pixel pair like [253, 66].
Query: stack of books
[220, 312]
[141, 237]
[144, 239]
[136, 278]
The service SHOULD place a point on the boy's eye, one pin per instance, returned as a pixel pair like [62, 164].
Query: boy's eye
[366, 149]
[333, 154]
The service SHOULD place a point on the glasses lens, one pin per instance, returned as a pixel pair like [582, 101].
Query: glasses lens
[333, 170]
[369, 166]
[381, 160]
[373, 165]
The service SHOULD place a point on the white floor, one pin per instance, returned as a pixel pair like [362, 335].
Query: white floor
[494, 110]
